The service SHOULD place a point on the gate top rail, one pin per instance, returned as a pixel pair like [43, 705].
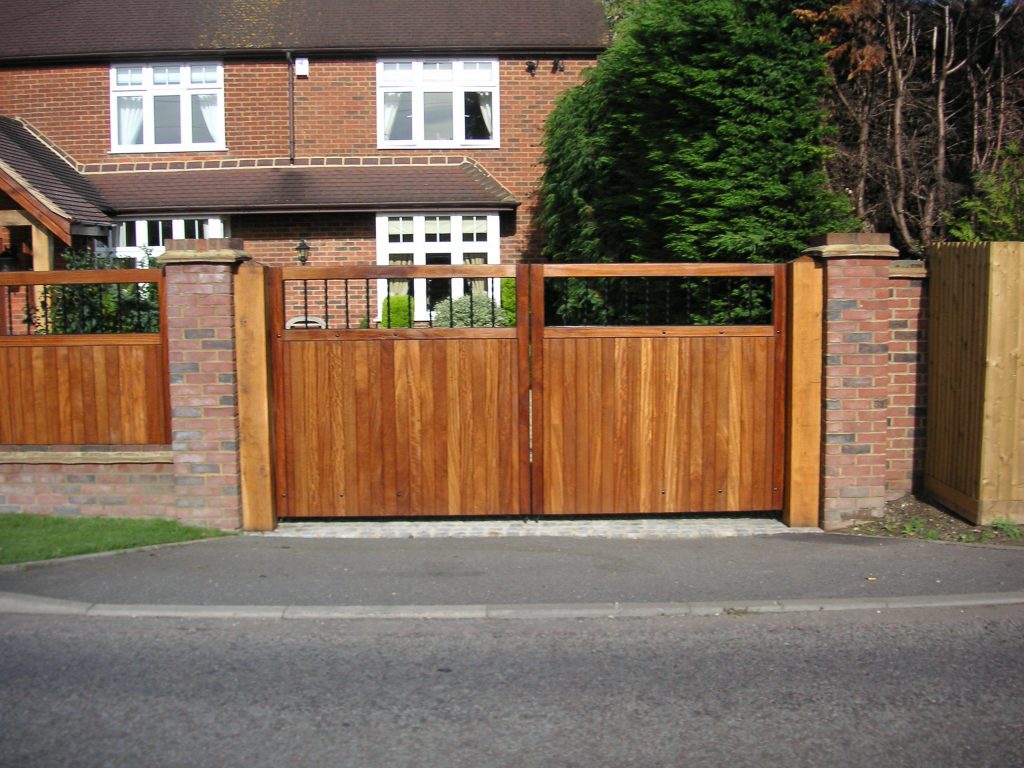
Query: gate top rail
[658, 270]
[369, 271]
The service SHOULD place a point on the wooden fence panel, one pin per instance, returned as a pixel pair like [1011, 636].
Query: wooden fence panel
[83, 393]
[401, 428]
[648, 420]
[975, 388]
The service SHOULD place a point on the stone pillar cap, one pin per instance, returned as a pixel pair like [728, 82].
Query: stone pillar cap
[222, 250]
[846, 245]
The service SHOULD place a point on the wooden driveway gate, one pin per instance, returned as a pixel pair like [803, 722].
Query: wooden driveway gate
[599, 400]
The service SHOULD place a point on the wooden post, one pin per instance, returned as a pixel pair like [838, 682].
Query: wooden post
[255, 434]
[802, 500]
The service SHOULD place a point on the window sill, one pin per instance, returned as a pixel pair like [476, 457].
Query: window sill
[160, 149]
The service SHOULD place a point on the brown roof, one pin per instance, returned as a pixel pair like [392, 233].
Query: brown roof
[40, 179]
[302, 189]
[58, 29]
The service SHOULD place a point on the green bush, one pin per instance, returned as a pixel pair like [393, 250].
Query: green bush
[469, 311]
[508, 299]
[397, 312]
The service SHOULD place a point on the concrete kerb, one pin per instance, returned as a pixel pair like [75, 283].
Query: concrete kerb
[16, 603]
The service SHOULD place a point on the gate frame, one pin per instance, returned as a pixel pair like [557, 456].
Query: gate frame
[800, 283]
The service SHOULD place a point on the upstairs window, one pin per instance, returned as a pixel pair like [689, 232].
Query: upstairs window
[437, 103]
[167, 107]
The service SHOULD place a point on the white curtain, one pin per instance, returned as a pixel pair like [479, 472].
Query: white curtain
[392, 101]
[129, 120]
[208, 107]
[477, 285]
[485, 110]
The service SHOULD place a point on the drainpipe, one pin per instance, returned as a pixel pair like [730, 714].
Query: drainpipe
[291, 107]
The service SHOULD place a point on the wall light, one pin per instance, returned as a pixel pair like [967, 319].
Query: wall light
[531, 67]
[302, 249]
[558, 65]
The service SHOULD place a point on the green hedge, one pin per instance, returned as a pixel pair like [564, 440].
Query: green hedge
[397, 312]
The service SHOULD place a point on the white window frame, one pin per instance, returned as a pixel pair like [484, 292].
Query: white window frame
[143, 82]
[418, 81]
[420, 248]
[144, 252]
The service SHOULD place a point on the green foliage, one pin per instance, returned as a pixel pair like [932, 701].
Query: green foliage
[996, 209]
[508, 299]
[397, 312]
[469, 311]
[698, 137]
[24, 538]
[103, 308]
[1011, 530]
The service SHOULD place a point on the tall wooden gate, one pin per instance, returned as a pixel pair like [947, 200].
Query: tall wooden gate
[667, 396]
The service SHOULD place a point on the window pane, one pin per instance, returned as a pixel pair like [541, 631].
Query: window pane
[205, 118]
[399, 287]
[478, 69]
[400, 229]
[129, 120]
[437, 71]
[205, 74]
[167, 119]
[129, 76]
[128, 234]
[437, 290]
[477, 286]
[166, 75]
[158, 231]
[195, 229]
[438, 229]
[478, 115]
[397, 71]
[474, 228]
[437, 117]
[398, 116]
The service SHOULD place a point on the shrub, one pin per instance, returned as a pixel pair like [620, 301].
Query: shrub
[508, 299]
[397, 312]
[469, 311]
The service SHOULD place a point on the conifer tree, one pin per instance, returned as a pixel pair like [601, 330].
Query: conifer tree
[698, 137]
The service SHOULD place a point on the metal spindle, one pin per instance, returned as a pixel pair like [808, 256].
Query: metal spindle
[366, 286]
[348, 323]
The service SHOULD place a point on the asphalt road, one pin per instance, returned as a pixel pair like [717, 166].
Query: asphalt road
[937, 687]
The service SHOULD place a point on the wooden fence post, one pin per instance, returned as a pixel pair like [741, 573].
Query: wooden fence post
[802, 501]
[255, 434]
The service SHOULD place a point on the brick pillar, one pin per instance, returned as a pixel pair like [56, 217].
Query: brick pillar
[857, 339]
[201, 352]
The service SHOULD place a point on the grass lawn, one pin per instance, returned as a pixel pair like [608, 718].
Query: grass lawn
[33, 537]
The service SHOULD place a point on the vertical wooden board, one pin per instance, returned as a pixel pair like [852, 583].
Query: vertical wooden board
[553, 436]
[645, 385]
[440, 431]
[1001, 456]
[711, 437]
[42, 364]
[682, 434]
[114, 395]
[698, 445]
[747, 421]
[506, 432]
[453, 491]
[60, 391]
[605, 441]
[735, 384]
[406, 442]
[586, 408]
[389, 436]
[347, 454]
[762, 428]
[76, 395]
[11, 385]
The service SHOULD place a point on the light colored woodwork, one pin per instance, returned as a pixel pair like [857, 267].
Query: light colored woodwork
[974, 461]
[255, 448]
[804, 395]
[87, 457]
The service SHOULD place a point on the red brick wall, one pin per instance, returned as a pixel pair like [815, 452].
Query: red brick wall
[335, 116]
[271, 240]
[204, 403]
[908, 380]
[107, 490]
[874, 387]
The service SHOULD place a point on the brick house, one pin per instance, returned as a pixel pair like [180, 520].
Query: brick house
[376, 132]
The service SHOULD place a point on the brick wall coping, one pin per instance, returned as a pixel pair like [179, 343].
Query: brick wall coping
[87, 457]
[852, 245]
[225, 250]
[913, 269]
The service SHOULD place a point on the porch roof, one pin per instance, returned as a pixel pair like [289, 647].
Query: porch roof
[105, 29]
[454, 184]
[44, 184]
